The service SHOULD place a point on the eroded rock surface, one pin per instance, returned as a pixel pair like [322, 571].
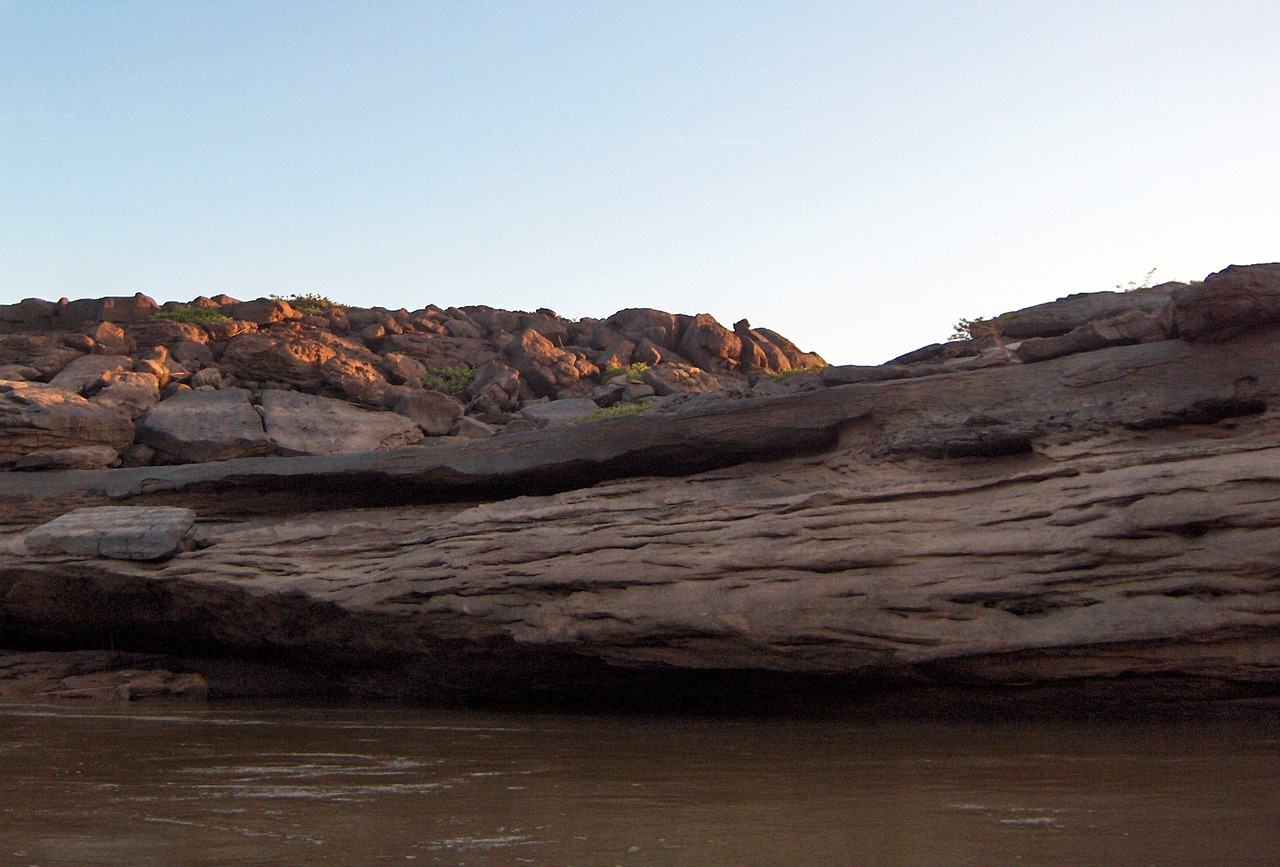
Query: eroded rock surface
[1106, 520]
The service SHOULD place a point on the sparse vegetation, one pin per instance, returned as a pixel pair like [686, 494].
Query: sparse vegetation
[450, 379]
[795, 371]
[193, 315]
[1133, 285]
[309, 303]
[632, 372]
[982, 329]
[617, 411]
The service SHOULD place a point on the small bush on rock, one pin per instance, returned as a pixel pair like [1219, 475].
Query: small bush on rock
[795, 371]
[193, 315]
[309, 304]
[615, 412]
[632, 372]
[450, 379]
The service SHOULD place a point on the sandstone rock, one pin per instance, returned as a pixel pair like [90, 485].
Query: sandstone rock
[195, 426]
[128, 393]
[548, 370]
[28, 314]
[210, 376]
[108, 338]
[263, 311]
[38, 417]
[1228, 303]
[75, 458]
[638, 324]
[675, 378]
[1136, 326]
[357, 378]
[303, 424]
[18, 373]
[88, 370]
[617, 354]
[163, 332]
[469, 428]
[1059, 317]
[115, 532]
[559, 413]
[710, 345]
[434, 412]
[190, 354]
[401, 368]
[294, 359]
[139, 308]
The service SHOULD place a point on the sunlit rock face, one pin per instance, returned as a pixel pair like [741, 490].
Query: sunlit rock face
[481, 366]
[1100, 524]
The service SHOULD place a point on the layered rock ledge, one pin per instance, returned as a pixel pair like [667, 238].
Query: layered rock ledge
[1099, 524]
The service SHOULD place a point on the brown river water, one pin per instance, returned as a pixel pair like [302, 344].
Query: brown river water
[253, 784]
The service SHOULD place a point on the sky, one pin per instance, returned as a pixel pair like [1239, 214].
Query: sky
[857, 176]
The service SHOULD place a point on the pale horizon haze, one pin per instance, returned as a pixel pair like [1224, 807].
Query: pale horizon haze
[857, 175]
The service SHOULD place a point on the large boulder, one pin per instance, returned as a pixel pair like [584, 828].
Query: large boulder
[263, 311]
[296, 359]
[38, 417]
[128, 393]
[710, 345]
[304, 424]
[434, 412]
[115, 309]
[196, 426]
[549, 370]
[1227, 303]
[88, 371]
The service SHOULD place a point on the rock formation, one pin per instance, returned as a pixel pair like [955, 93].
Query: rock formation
[1098, 524]
[186, 377]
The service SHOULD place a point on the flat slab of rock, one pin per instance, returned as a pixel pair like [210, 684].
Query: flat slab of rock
[559, 413]
[303, 424]
[115, 532]
[198, 426]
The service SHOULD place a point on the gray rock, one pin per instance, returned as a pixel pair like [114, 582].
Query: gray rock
[469, 428]
[195, 426]
[559, 413]
[303, 424]
[115, 532]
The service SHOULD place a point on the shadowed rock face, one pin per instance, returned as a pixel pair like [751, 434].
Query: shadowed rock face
[1103, 518]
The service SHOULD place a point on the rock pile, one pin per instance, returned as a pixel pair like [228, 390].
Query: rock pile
[125, 382]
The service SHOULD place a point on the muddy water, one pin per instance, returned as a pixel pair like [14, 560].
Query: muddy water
[85, 785]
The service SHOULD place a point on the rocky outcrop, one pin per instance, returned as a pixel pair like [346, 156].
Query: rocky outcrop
[1101, 524]
[461, 372]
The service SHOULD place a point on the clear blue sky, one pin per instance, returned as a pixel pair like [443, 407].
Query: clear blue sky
[855, 175]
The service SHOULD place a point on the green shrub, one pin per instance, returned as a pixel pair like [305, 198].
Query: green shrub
[617, 411]
[795, 371]
[450, 379]
[309, 303]
[193, 315]
[632, 372]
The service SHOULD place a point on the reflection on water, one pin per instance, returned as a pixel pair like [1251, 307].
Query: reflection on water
[252, 785]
